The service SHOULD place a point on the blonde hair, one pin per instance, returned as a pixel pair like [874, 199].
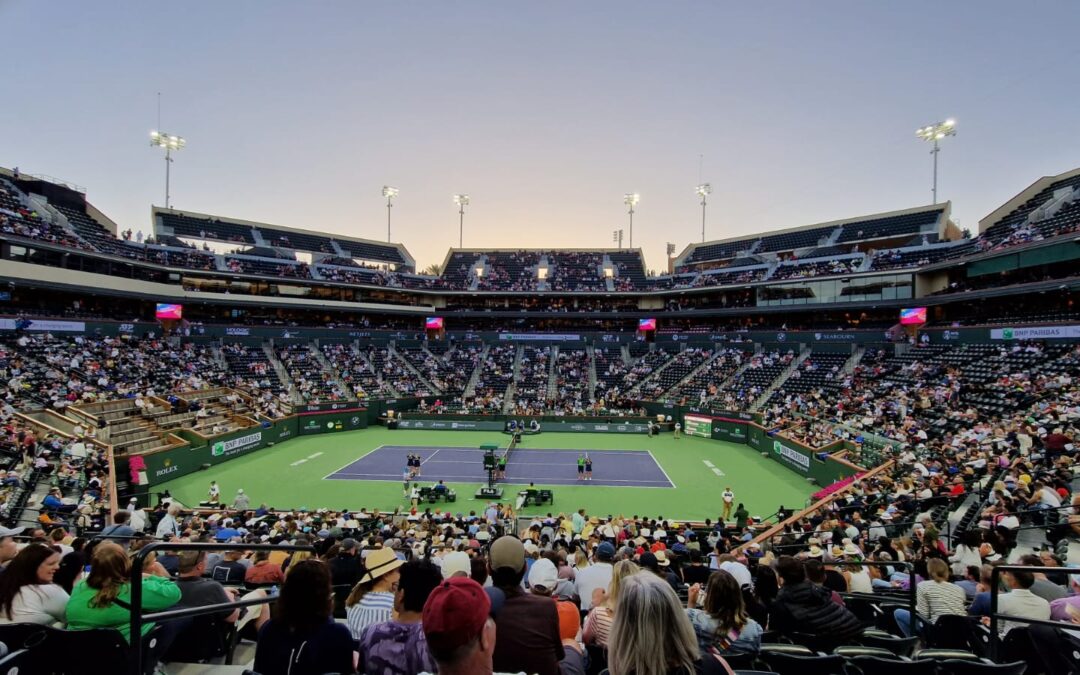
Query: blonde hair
[622, 569]
[651, 634]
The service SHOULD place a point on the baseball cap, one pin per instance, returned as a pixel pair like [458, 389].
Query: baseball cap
[569, 620]
[455, 562]
[605, 551]
[543, 574]
[739, 571]
[455, 614]
[507, 552]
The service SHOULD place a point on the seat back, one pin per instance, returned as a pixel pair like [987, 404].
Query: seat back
[950, 631]
[87, 652]
[17, 662]
[958, 667]
[876, 665]
[789, 664]
[896, 645]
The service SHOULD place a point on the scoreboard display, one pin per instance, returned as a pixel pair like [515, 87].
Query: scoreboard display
[698, 426]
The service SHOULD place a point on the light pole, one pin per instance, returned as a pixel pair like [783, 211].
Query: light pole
[616, 237]
[934, 133]
[703, 191]
[389, 193]
[160, 139]
[462, 201]
[631, 199]
[670, 254]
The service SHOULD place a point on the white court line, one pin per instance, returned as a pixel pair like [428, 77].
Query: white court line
[298, 462]
[661, 467]
[317, 454]
[718, 472]
[425, 461]
[709, 464]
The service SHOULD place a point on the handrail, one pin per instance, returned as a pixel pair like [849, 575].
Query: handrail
[137, 616]
[995, 577]
[824, 501]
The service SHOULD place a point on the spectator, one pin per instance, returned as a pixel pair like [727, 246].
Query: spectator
[303, 638]
[119, 531]
[168, 526]
[934, 598]
[8, 548]
[262, 571]
[28, 593]
[398, 646]
[600, 618]
[459, 631]
[596, 576]
[723, 623]
[371, 601]
[651, 634]
[103, 599]
[527, 625]
[804, 607]
[1020, 601]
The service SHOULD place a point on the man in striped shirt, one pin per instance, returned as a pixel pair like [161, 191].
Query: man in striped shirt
[934, 598]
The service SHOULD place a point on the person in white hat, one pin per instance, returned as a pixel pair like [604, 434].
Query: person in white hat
[138, 516]
[456, 564]
[8, 548]
[241, 502]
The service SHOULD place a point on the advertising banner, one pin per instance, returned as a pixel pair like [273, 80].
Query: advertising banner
[324, 423]
[1036, 333]
[435, 423]
[696, 425]
[166, 465]
[794, 458]
[539, 337]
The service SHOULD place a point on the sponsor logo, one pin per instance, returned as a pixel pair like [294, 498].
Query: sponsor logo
[797, 459]
[354, 420]
[231, 447]
[127, 328]
[780, 337]
[835, 337]
[50, 326]
[236, 330]
[169, 467]
[950, 335]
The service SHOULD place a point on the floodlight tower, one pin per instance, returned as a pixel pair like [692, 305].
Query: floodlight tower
[462, 201]
[631, 199]
[703, 191]
[171, 143]
[616, 237]
[934, 133]
[389, 192]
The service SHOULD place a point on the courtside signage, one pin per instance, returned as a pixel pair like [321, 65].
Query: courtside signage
[792, 457]
[1035, 333]
[231, 447]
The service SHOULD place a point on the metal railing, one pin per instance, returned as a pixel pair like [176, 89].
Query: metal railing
[138, 618]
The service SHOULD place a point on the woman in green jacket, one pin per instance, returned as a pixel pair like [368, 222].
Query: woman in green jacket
[102, 599]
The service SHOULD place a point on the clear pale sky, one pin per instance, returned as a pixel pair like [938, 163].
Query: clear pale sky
[545, 113]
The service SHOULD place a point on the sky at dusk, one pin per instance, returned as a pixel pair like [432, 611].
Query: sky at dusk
[545, 113]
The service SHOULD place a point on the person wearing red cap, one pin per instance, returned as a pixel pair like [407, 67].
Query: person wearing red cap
[458, 627]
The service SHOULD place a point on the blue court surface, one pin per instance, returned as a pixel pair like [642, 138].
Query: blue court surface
[554, 466]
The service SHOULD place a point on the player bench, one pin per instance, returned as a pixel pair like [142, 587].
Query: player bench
[535, 497]
[431, 495]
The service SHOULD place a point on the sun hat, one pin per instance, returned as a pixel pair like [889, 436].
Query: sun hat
[380, 562]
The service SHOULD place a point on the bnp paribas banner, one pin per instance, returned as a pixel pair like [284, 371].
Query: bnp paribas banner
[794, 458]
[1036, 333]
[169, 464]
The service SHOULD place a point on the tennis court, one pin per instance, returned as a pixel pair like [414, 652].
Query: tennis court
[543, 466]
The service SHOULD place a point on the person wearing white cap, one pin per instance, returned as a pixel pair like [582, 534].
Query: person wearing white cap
[8, 548]
[138, 520]
[241, 503]
[456, 564]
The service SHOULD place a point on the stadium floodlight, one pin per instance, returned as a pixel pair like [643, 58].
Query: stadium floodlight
[462, 201]
[703, 191]
[171, 143]
[616, 237]
[933, 133]
[631, 199]
[389, 192]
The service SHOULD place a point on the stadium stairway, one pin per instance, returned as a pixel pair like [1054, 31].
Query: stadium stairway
[404, 362]
[853, 362]
[717, 352]
[780, 379]
[553, 378]
[325, 364]
[591, 351]
[470, 386]
[282, 373]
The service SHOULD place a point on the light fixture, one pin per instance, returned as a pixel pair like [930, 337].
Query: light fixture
[171, 143]
[933, 133]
